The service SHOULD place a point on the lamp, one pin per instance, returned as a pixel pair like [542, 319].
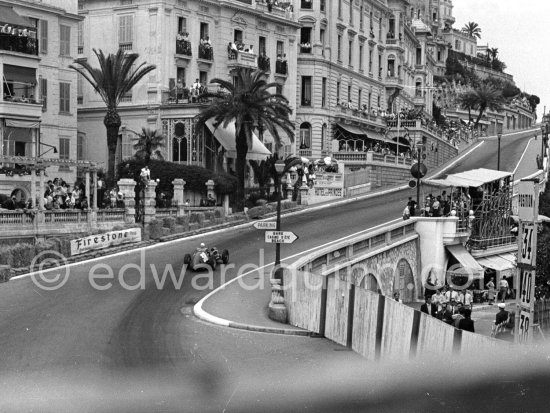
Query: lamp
[50, 146]
[280, 169]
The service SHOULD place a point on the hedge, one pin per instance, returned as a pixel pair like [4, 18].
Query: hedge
[195, 177]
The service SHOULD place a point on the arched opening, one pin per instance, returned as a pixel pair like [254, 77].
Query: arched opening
[370, 283]
[305, 135]
[404, 281]
[20, 197]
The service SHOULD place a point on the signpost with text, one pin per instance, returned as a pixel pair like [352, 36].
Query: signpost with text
[528, 203]
[280, 237]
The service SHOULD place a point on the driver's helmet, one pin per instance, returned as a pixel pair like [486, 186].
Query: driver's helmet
[202, 245]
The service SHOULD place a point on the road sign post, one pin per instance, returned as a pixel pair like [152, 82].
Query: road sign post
[528, 204]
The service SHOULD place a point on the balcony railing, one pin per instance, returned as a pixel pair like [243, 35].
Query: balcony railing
[206, 52]
[264, 63]
[281, 67]
[111, 215]
[127, 47]
[183, 47]
[20, 44]
[369, 157]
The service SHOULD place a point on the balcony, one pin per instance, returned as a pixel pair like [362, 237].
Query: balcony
[20, 44]
[392, 43]
[264, 63]
[305, 48]
[206, 52]
[372, 158]
[393, 81]
[20, 107]
[281, 67]
[183, 47]
[241, 59]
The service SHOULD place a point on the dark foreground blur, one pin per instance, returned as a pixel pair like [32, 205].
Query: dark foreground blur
[512, 380]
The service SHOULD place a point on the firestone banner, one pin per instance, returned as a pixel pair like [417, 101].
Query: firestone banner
[109, 239]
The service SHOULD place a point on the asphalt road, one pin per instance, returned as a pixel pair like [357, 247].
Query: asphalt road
[132, 345]
[512, 147]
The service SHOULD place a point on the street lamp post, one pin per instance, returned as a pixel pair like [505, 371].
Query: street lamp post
[279, 168]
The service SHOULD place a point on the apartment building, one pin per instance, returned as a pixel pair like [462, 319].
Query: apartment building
[38, 119]
[173, 35]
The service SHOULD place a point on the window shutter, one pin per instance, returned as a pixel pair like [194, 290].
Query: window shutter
[44, 36]
[44, 92]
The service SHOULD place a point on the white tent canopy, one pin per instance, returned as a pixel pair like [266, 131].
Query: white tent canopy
[226, 137]
[474, 177]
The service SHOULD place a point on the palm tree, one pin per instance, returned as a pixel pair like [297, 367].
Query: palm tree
[148, 145]
[472, 29]
[115, 77]
[248, 103]
[468, 100]
[485, 97]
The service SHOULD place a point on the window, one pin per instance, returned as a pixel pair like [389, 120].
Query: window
[337, 93]
[262, 49]
[306, 4]
[179, 143]
[125, 32]
[322, 34]
[64, 40]
[339, 9]
[79, 87]
[339, 50]
[64, 97]
[43, 84]
[349, 93]
[280, 48]
[80, 37]
[324, 92]
[204, 31]
[361, 19]
[80, 147]
[127, 142]
[279, 89]
[238, 36]
[322, 5]
[306, 90]
[368, 103]
[44, 36]
[351, 13]
[305, 136]
[305, 40]
[203, 77]
[359, 98]
[182, 25]
[350, 52]
[370, 60]
[64, 148]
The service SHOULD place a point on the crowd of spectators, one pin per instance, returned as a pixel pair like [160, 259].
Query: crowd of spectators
[453, 307]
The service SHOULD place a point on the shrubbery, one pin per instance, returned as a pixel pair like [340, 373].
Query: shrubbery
[195, 177]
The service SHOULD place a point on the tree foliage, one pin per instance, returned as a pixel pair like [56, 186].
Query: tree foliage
[472, 29]
[249, 103]
[148, 145]
[115, 77]
[195, 177]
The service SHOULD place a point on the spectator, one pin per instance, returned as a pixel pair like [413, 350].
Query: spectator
[467, 323]
[503, 289]
[429, 307]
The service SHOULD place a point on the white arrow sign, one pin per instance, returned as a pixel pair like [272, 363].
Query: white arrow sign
[265, 225]
[280, 237]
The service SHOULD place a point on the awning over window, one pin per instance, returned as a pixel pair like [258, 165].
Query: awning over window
[500, 262]
[468, 263]
[377, 136]
[20, 74]
[9, 16]
[226, 137]
[14, 123]
[351, 129]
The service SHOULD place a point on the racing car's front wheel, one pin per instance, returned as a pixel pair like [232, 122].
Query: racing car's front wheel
[225, 256]
[187, 259]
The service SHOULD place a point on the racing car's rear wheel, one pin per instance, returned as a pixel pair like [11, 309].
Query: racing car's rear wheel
[187, 259]
[225, 256]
